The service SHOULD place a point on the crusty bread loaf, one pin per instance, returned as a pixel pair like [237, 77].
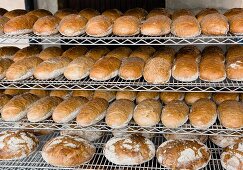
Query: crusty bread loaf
[109, 96]
[64, 12]
[113, 14]
[40, 93]
[14, 13]
[47, 25]
[203, 114]
[97, 52]
[205, 12]
[129, 150]
[201, 138]
[119, 52]
[67, 151]
[174, 114]
[3, 11]
[17, 144]
[129, 95]
[8, 52]
[181, 12]
[143, 52]
[192, 97]
[5, 63]
[232, 12]
[64, 94]
[17, 107]
[143, 95]
[3, 21]
[50, 52]
[51, 68]
[68, 109]
[119, 113]
[139, 13]
[231, 114]
[39, 13]
[183, 154]
[224, 141]
[158, 11]
[87, 135]
[14, 92]
[43, 108]
[92, 112]
[221, 97]
[75, 52]
[22, 69]
[29, 51]
[89, 13]
[234, 53]
[83, 93]
[126, 26]
[4, 99]
[167, 97]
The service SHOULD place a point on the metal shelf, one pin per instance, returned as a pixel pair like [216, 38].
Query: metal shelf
[99, 161]
[117, 40]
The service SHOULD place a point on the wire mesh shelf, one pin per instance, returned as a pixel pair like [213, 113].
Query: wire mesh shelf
[117, 40]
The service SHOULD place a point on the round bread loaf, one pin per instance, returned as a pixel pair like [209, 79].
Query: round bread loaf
[30, 51]
[234, 53]
[181, 12]
[40, 93]
[3, 21]
[72, 25]
[119, 53]
[5, 63]
[3, 11]
[143, 95]
[83, 93]
[236, 24]
[231, 114]
[17, 144]
[109, 96]
[232, 12]
[183, 154]
[97, 52]
[4, 99]
[14, 13]
[205, 12]
[129, 95]
[119, 113]
[201, 138]
[143, 52]
[129, 150]
[50, 52]
[8, 52]
[174, 114]
[112, 14]
[158, 11]
[126, 26]
[224, 141]
[75, 52]
[89, 13]
[47, 25]
[147, 113]
[14, 92]
[39, 13]
[139, 13]
[64, 12]
[221, 97]
[167, 97]
[87, 135]
[67, 151]
[192, 97]
[64, 94]
[203, 114]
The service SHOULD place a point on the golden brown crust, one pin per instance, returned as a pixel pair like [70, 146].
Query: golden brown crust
[29, 51]
[14, 13]
[232, 12]
[64, 94]
[14, 92]
[143, 52]
[181, 12]
[139, 13]
[75, 52]
[119, 52]
[47, 25]
[107, 95]
[129, 95]
[39, 13]
[192, 97]
[64, 12]
[40, 93]
[167, 97]
[89, 13]
[83, 93]
[126, 26]
[158, 11]
[50, 52]
[221, 97]
[113, 14]
[8, 52]
[236, 24]
[205, 12]
[4, 99]
[97, 52]
[143, 95]
[5, 63]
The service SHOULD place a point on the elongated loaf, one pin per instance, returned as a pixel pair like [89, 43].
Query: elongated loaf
[107, 95]
[29, 51]
[221, 97]
[47, 25]
[50, 52]
[64, 94]
[4, 99]
[8, 52]
[5, 63]
[167, 97]
[192, 97]
[120, 52]
[14, 92]
[83, 93]
[97, 52]
[75, 52]
[40, 93]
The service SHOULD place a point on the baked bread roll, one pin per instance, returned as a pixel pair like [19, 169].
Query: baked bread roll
[201, 138]
[5, 63]
[40, 93]
[126, 26]
[231, 114]
[17, 144]
[232, 12]
[192, 97]
[92, 112]
[30, 51]
[87, 135]
[47, 25]
[99, 26]
[3, 21]
[158, 11]
[129, 95]
[20, 25]
[224, 141]
[14, 13]
[39, 13]
[232, 156]
[4, 99]
[51, 68]
[214, 24]
[75, 52]
[156, 26]
[139, 13]
[14, 92]
[64, 94]
[64, 12]
[67, 151]
[109, 96]
[174, 114]
[3, 11]
[120, 53]
[181, 12]
[119, 113]
[129, 150]
[89, 13]
[112, 14]
[68, 109]
[97, 52]
[18, 106]
[143, 52]
[105, 69]
[83, 93]
[43, 108]
[205, 12]
[203, 114]
[22, 69]
[221, 97]
[50, 52]
[183, 154]
[72, 25]
[167, 97]
[8, 52]
[143, 95]
[147, 113]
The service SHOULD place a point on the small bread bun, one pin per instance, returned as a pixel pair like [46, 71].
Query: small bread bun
[75, 52]
[14, 92]
[129, 150]
[181, 12]
[4, 99]
[205, 12]
[167, 97]
[83, 93]
[47, 25]
[143, 52]
[3, 21]
[143, 95]
[3, 11]
[72, 25]
[89, 13]
[30, 51]
[129, 95]
[87, 135]
[51, 68]
[119, 113]
[39, 13]
[139, 13]
[192, 97]
[97, 52]
[112, 14]
[67, 151]
[147, 113]
[214, 24]
[92, 112]
[201, 138]
[158, 11]
[174, 114]
[5, 63]
[232, 12]
[17, 144]
[14, 13]
[50, 52]
[17, 107]
[64, 94]
[230, 114]
[43, 108]
[64, 12]
[40, 93]
[120, 53]
[126, 26]
[224, 141]
[109, 96]
[8, 52]
[183, 154]
[68, 109]
[221, 97]
[236, 24]
[203, 114]
[105, 69]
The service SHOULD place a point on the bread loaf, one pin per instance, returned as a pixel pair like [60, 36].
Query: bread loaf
[14, 13]
[126, 26]
[109, 96]
[83, 93]
[64, 12]
[30, 51]
[201, 138]
[64, 94]
[68, 109]
[50, 52]
[205, 12]
[221, 97]
[192, 97]
[143, 52]
[92, 112]
[4, 99]
[234, 52]
[97, 52]
[8, 52]
[143, 95]
[236, 24]
[139, 13]
[40, 93]
[89, 13]
[181, 12]
[75, 52]
[39, 13]
[232, 12]
[47, 25]
[3, 21]
[129, 95]
[158, 11]
[87, 135]
[112, 14]
[167, 97]
[120, 53]
[5, 63]
[224, 141]
[14, 92]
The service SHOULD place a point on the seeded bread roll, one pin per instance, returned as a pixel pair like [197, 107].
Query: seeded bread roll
[64, 94]
[67, 151]
[40, 93]
[192, 97]
[143, 95]
[51, 68]
[97, 52]
[75, 52]
[201, 138]
[4, 99]
[39, 13]
[167, 97]
[8, 52]
[113, 14]
[47, 25]
[18, 106]
[14, 13]
[203, 114]
[183, 154]
[5, 63]
[174, 114]
[105, 69]
[143, 52]
[139, 13]
[232, 12]
[83, 93]
[205, 12]
[64, 12]
[109, 96]
[221, 97]
[158, 11]
[89, 13]
[22, 69]
[87, 135]
[14, 92]
[120, 53]
[126, 26]
[29, 51]
[50, 52]
[17, 144]
[3, 21]
[3, 11]
[129, 95]
[231, 114]
[68, 109]
[224, 141]
[129, 150]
